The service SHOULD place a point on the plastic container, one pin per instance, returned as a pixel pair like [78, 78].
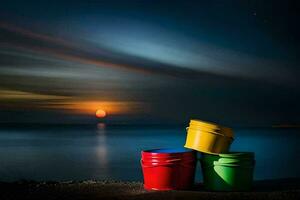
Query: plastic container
[208, 137]
[168, 169]
[225, 173]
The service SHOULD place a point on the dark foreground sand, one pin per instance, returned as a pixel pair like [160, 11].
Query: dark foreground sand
[275, 189]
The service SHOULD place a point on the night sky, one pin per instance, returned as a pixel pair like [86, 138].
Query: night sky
[153, 62]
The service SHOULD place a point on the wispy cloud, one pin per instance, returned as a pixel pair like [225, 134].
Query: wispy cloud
[13, 95]
[168, 76]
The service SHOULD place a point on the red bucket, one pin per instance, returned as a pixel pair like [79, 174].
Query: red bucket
[168, 169]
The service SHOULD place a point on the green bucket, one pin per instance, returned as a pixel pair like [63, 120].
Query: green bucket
[228, 173]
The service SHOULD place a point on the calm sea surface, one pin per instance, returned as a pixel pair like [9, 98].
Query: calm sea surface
[88, 152]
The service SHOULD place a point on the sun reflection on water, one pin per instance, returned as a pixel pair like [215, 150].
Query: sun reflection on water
[101, 150]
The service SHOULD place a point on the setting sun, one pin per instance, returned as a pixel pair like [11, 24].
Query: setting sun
[100, 113]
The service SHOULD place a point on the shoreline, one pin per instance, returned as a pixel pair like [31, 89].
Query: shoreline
[267, 189]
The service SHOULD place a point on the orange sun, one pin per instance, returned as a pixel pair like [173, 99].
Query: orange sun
[100, 113]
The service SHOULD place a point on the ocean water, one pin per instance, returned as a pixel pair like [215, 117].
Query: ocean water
[99, 152]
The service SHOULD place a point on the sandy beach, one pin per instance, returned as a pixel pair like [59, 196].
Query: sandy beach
[271, 189]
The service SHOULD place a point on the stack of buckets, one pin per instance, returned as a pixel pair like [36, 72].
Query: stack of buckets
[174, 169]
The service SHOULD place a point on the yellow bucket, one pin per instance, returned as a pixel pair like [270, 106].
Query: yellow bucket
[208, 137]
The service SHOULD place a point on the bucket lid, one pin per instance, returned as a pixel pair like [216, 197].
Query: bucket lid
[211, 127]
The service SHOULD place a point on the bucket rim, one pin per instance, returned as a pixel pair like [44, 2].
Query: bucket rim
[167, 151]
[236, 154]
[204, 123]
[225, 161]
[212, 132]
[250, 165]
[209, 158]
[211, 125]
